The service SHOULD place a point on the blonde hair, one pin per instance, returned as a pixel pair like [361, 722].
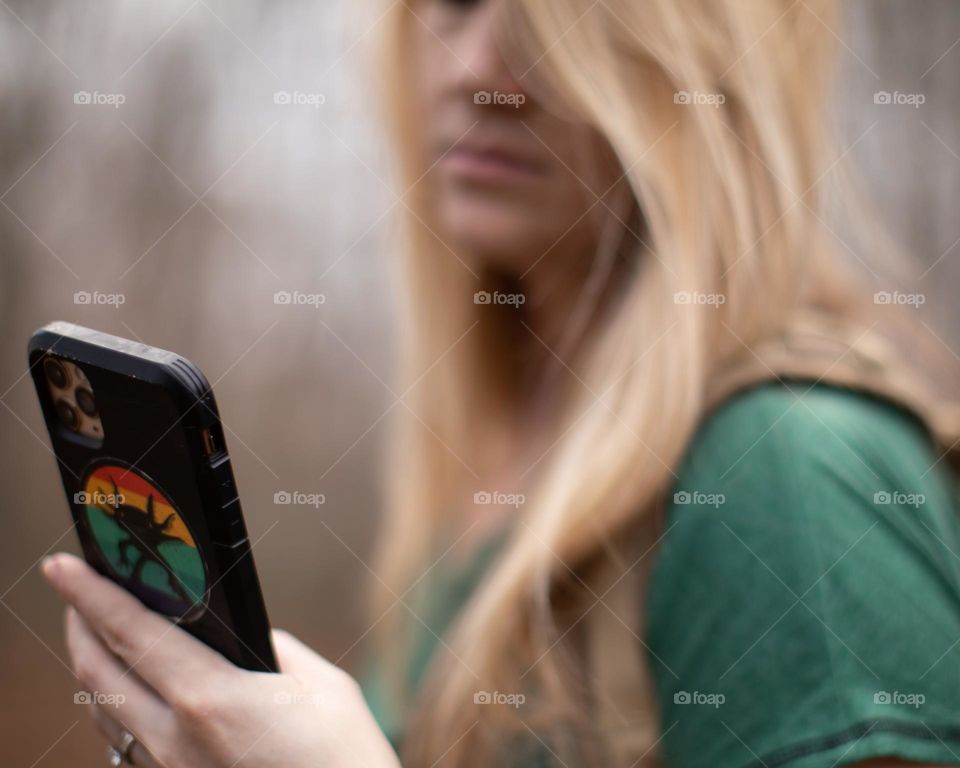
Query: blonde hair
[729, 198]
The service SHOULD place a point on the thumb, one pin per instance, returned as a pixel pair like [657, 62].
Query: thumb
[297, 659]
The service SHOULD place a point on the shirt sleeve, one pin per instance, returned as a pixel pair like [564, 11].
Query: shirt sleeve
[804, 605]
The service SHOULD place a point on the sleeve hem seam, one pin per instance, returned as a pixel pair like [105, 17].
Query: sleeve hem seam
[855, 733]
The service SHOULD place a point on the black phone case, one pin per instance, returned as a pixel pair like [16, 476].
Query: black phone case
[160, 422]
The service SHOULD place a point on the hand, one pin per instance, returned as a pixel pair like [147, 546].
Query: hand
[188, 706]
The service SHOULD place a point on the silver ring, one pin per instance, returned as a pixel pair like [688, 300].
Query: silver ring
[117, 756]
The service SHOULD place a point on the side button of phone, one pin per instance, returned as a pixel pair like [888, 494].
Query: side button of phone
[232, 529]
[236, 546]
[222, 470]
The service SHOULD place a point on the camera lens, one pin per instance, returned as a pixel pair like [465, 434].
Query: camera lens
[56, 373]
[85, 401]
[68, 414]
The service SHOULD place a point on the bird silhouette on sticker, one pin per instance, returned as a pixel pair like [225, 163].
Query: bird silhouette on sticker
[143, 538]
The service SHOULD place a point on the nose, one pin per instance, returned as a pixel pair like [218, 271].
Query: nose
[482, 64]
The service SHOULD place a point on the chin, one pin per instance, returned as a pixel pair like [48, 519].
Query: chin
[494, 234]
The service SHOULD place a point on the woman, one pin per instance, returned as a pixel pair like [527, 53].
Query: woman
[665, 494]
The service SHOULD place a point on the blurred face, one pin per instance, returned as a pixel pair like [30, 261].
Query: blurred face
[511, 180]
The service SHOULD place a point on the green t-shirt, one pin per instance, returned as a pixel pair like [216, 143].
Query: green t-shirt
[804, 605]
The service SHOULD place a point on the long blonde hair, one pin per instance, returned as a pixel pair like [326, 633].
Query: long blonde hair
[729, 198]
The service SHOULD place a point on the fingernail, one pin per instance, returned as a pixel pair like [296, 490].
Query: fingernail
[50, 567]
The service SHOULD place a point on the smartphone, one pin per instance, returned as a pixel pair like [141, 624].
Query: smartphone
[144, 464]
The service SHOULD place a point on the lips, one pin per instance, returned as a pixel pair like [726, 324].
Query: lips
[490, 162]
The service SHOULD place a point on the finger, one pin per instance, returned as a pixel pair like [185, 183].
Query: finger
[132, 702]
[171, 661]
[298, 659]
[112, 730]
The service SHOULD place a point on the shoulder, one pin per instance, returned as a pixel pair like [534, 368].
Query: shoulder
[809, 532]
[789, 480]
[793, 446]
[796, 420]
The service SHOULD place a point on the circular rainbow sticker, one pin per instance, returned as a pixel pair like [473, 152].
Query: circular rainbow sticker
[143, 539]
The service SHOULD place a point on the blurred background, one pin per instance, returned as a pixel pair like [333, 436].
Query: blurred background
[182, 162]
